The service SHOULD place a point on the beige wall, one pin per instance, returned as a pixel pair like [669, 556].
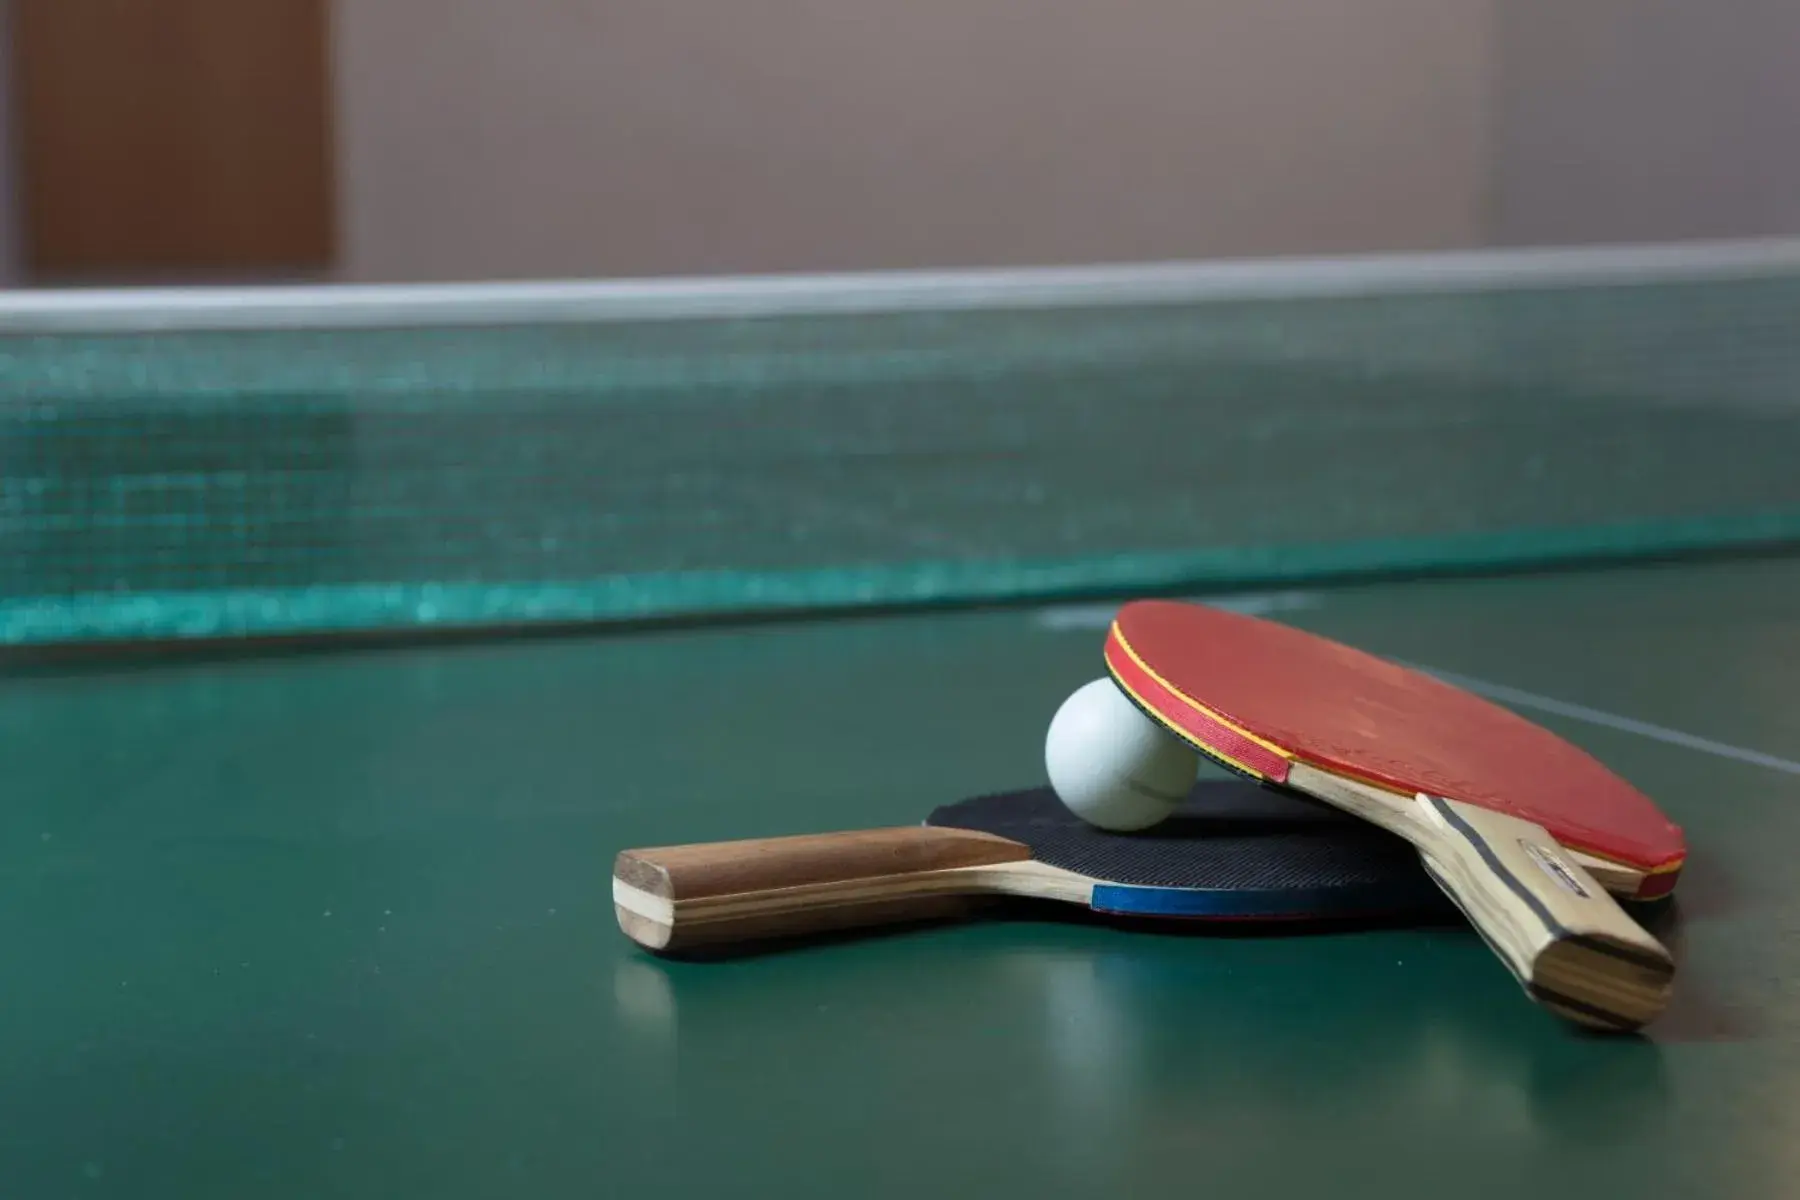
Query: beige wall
[1645, 120]
[601, 137]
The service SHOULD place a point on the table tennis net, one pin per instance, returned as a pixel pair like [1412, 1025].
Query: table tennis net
[292, 480]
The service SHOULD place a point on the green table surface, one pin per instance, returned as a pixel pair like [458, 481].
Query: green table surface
[338, 924]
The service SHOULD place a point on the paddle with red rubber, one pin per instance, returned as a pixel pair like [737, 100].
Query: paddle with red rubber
[1524, 831]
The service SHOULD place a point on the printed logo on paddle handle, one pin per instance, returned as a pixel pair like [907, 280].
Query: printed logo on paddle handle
[1551, 864]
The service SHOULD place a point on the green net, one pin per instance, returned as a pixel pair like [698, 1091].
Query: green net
[290, 480]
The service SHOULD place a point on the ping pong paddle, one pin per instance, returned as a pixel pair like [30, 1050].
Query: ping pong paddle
[1233, 851]
[1505, 815]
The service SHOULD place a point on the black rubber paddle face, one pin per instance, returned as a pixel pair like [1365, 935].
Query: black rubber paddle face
[1234, 850]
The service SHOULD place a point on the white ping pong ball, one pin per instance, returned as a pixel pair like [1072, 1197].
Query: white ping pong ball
[1111, 765]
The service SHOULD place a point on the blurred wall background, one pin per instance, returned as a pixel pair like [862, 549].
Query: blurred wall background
[1640, 120]
[642, 136]
[9, 222]
[609, 137]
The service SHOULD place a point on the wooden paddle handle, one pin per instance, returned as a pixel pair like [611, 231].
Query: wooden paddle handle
[1557, 930]
[680, 897]
[1566, 940]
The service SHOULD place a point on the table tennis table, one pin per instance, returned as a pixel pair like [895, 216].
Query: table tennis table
[348, 632]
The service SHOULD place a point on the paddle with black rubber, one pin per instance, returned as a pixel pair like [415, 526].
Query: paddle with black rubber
[1232, 852]
[1516, 825]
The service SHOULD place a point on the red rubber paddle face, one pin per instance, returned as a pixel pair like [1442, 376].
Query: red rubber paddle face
[1259, 695]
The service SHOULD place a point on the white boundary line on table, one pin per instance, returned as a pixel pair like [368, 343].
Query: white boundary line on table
[353, 306]
[1595, 716]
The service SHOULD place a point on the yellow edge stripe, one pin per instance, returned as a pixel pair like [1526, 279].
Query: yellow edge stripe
[1200, 708]
[1209, 752]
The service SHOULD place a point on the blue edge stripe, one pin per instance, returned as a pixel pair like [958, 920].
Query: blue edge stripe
[1394, 896]
[378, 606]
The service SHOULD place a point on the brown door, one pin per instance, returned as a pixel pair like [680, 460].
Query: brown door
[174, 137]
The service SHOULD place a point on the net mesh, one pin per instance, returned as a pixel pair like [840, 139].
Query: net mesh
[271, 481]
